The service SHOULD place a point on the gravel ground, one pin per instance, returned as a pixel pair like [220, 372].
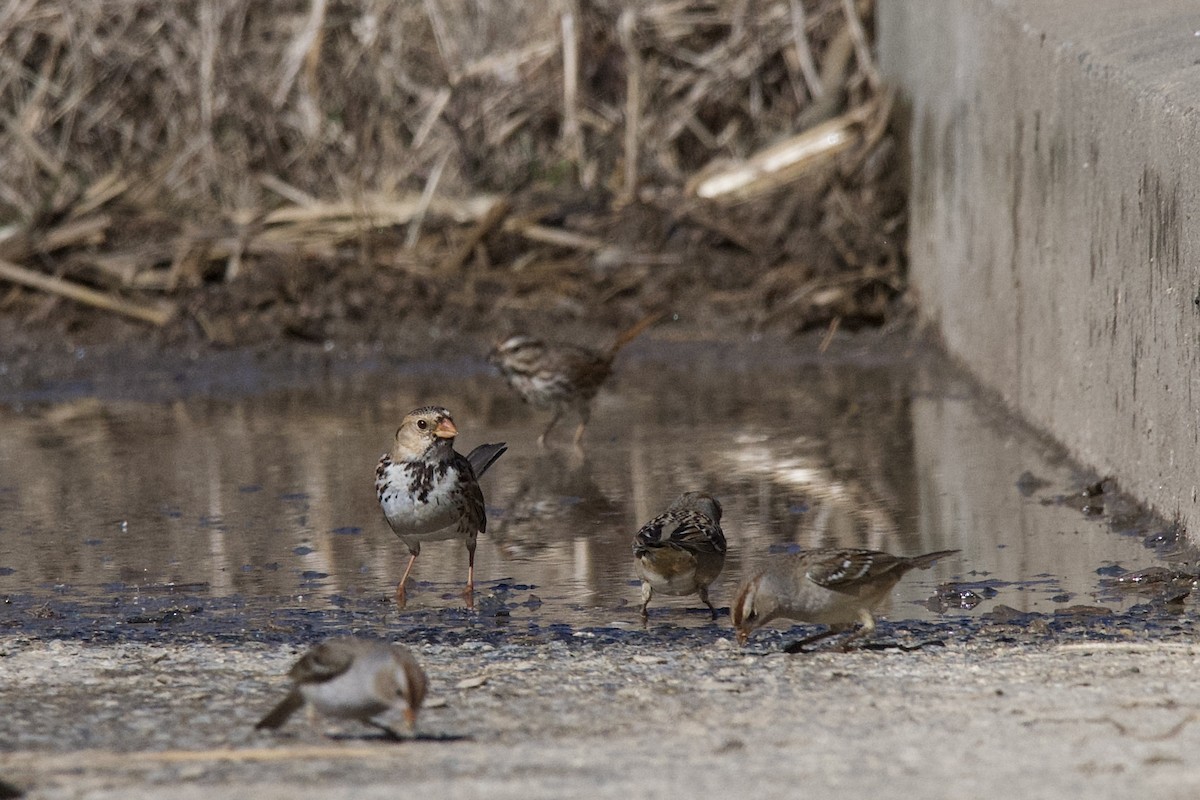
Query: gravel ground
[1004, 708]
[107, 692]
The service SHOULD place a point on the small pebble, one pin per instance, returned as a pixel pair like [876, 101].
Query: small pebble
[642, 659]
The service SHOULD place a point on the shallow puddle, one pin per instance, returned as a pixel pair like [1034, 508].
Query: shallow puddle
[266, 501]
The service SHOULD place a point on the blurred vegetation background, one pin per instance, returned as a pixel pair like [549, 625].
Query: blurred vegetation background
[237, 172]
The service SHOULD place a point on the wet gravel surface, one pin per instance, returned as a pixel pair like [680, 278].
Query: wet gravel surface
[114, 685]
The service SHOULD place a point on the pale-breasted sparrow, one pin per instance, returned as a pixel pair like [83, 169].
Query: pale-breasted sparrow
[682, 550]
[429, 492]
[829, 586]
[352, 678]
[560, 376]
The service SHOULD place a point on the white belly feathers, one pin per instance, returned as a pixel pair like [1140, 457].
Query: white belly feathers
[399, 495]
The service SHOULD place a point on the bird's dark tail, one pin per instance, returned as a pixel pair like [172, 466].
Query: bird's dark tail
[280, 713]
[629, 334]
[484, 456]
[926, 561]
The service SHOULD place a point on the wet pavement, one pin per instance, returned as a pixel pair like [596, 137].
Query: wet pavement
[239, 512]
[166, 558]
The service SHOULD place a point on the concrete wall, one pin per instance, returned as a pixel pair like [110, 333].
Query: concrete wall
[1056, 217]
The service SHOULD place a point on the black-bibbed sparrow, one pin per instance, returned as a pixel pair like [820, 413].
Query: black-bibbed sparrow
[429, 492]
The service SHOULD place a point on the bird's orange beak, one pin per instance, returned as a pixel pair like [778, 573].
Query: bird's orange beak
[410, 718]
[742, 636]
[445, 429]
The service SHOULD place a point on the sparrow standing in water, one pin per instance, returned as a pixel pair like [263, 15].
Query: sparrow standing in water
[351, 678]
[828, 586]
[429, 492]
[682, 550]
[560, 376]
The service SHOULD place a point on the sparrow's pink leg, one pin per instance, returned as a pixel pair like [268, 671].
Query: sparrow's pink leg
[401, 593]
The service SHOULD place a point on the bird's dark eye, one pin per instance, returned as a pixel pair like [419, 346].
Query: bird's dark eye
[753, 615]
[422, 424]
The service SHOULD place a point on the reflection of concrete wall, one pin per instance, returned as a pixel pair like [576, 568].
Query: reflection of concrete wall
[967, 464]
[1055, 179]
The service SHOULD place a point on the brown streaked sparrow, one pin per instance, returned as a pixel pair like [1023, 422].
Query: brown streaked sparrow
[682, 550]
[429, 492]
[560, 376]
[351, 678]
[828, 586]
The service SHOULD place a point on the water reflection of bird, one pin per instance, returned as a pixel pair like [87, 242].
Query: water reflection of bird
[352, 678]
[682, 550]
[429, 492]
[557, 499]
[828, 586]
[810, 501]
[560, 376]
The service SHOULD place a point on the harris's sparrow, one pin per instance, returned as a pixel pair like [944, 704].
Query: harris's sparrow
[429, 492]
[353, 678]
[560, 376]
[828, 586]
[682, 550]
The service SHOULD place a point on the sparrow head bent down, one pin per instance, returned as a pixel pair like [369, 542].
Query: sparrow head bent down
[752, 609]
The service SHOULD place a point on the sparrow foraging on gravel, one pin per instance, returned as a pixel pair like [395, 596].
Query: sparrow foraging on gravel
[560, 376]
[429, 492]
[682, 550]
[352, 678]
[829, 586]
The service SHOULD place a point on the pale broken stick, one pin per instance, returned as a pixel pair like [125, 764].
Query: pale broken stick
[808, 65]
[572, 134]
[554, 236]
[781, 163]
[155, 315]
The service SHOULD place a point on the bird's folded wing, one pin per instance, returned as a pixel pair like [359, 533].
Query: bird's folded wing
[845, 569]
[474, 514]
[688, 531]
[322, 663]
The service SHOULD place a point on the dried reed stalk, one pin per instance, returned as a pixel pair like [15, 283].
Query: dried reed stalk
[287, 131]
[14, 273]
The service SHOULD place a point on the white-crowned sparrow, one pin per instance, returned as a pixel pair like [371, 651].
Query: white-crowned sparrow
[560, 376]
[828, 586]
[682, 550]
[352, 678]
[429, 492]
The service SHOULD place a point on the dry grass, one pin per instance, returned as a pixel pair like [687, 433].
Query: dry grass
[488, 157]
